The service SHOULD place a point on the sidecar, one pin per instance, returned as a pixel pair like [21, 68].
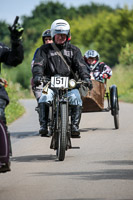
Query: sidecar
[94, 100]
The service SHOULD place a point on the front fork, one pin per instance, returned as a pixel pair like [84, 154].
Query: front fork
[56, 125]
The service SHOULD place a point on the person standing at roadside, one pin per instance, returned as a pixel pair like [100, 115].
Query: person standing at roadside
[11, 57]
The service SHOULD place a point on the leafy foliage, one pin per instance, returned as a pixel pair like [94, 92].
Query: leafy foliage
[122, 78]
[104, 32]
[126, 55]
[4, 33]
[45, 13]
[14, 109]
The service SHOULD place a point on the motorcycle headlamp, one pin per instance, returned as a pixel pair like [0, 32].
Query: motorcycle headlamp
[72, 83]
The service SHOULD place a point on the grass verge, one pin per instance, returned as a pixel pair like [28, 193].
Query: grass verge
[122, 78]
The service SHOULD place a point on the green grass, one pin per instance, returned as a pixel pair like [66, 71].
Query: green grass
[123, 78]
[15, 92]
[14, 109]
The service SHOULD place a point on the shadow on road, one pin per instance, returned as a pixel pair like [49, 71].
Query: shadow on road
[108, 174]
[33, 158]
[117, 162]
[96, 129]
[24, 134]
[111, 174]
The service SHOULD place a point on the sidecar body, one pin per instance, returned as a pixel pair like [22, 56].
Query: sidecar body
[94, 101]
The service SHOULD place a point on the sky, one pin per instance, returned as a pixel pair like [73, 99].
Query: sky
[12, 8]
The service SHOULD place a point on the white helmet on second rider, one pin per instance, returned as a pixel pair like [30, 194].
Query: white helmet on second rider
[60, 26]
[92, 54]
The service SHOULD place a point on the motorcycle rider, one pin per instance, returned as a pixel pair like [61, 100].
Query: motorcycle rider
[46, 39]
[48, 63]
[12, 57]
[98, 70]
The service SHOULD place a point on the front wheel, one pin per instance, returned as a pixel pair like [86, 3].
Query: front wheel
[62, 136]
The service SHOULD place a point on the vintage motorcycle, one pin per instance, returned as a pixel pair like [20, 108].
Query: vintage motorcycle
[59, 123]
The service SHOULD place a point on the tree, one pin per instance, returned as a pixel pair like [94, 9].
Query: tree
[4, 33]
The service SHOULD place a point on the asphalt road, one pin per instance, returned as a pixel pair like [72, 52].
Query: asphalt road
[100, 168]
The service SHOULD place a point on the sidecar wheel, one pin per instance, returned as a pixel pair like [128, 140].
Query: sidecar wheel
[114, 105]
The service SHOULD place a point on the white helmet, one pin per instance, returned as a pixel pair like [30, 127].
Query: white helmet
[60, 26]
[92, 54]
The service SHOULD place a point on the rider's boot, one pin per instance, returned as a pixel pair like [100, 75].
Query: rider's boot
[75, 120]
[43, 116]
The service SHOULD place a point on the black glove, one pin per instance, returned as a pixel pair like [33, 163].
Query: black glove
[16, 31]
[37, 80]
[88, 83]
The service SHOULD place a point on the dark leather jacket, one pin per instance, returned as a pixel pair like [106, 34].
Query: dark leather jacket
[13, 56]
[48, 63]
[10, 57]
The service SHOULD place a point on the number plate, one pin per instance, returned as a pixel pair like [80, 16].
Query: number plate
[59, 82]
